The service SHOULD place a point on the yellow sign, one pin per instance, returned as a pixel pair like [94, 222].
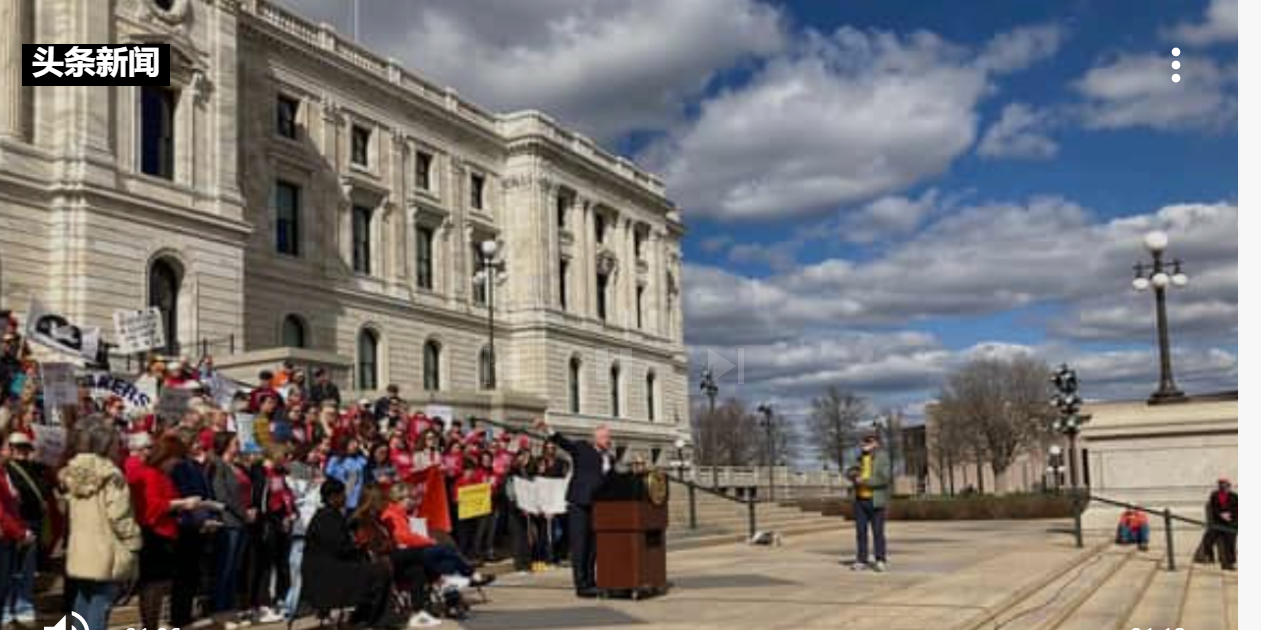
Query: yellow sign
[474, 501]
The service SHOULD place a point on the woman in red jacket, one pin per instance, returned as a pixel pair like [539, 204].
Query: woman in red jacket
[13, 531]
[156, 502]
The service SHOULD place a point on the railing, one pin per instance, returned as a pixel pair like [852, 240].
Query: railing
[1082, 500]
[750, 502]
[776, 484]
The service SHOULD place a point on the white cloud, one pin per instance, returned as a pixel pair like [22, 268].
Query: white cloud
[1220, 24]
[604, 66]
[1020, 48]
[1019, 132]
[888, 217]
[1138, 91]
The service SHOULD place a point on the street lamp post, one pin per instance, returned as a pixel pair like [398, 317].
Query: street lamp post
[682, 465]
[1159, 276]
[709, 387]
[1055, 467]
[486, 275]
[768, 423]
[1069, 420]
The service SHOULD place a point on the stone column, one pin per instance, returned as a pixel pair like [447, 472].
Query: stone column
[14, 15]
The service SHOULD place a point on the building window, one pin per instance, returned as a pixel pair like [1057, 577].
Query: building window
[287, 116]
[361, 239]
[564, 284]
[165, 278]
[157, 131]
[639, 306]
[359, 137]
[288, 208]
[424, 166]
[433, 354]
[599, 228]
[639, 245]
[368, 346]
[424, 257]
[651, 392]
[575, 392]
[477, 191]
[563, 202]
[615, 391]
[602, 296]
[486, 368]
[481, 280]
[293, 332]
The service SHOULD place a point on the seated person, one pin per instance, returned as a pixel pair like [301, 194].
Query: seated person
[336, 573]
[385, 529]
[1133, 529]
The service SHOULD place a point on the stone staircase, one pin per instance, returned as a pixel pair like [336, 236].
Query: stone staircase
[1119, 588]
[720, 521]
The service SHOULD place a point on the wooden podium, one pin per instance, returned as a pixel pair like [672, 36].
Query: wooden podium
[630, 538]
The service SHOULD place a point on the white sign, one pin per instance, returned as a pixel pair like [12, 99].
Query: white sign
[50, 443]
[60, 388]
[434, 412]
[137, 331]
[541, 495]
[418, 526]
[104, 385]
[245, 434]
[56, 332]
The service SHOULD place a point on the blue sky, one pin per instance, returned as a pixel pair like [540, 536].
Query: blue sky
[878, 190]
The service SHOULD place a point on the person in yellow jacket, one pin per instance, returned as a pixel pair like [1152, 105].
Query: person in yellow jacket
[871, 497]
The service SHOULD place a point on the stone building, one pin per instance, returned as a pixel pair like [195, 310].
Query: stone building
[293, 196]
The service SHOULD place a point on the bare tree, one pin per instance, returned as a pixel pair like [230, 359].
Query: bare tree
[728, 437]
[834, 418]
[997, 407]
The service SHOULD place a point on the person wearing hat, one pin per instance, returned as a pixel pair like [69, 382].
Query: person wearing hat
[29, 478]
[1223, 511]
[871, 497]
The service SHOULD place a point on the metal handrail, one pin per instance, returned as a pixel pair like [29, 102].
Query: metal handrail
[692, 487]
[1082, 499]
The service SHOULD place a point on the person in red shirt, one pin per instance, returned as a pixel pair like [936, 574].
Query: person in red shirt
[156, 502]
[13, 530]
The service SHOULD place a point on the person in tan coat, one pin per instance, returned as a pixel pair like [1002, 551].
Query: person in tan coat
[102, 550]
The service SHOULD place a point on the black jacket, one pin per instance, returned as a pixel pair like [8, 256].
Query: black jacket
[589, 469]
[1215, 510]
[335, 573]
[319, 393]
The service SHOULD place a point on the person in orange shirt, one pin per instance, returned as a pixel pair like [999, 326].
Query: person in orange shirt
[1133, 529]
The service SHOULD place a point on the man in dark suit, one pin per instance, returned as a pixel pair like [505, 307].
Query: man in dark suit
[592, 462]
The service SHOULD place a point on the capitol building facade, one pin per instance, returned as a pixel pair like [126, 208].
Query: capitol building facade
[293, 196]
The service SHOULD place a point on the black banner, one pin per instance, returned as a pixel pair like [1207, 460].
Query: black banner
[96, 64]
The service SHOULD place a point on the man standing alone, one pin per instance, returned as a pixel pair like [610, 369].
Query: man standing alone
[871, 496]
[592, 462]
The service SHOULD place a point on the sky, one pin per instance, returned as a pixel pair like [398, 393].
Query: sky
[889, 188]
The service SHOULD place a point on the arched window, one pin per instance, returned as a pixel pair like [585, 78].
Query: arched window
[165, 278]
[575, 391]
[651, 392]
[293, 332]
[433, 354]
[615, 391]
[368, 346]
[486, 368]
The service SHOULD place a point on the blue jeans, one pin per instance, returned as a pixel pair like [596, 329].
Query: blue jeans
[21, 594]
[1127, 536]
[92, 600]
[8, 552]
[228, 566]
[867, 515]
[295, 577]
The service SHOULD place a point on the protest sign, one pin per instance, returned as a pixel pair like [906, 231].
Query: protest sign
[103, 385]
[245, 433]
[173, 404]
[474, 500]
[541, 495]
[434, 412]
[418, 526]
[56, 332]
[50, 443]
[137, 331]
[222, 390]
[60, 388]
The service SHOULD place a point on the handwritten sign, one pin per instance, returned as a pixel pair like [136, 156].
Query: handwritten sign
[137, 331]
[60, 388]
[474, 501]
[541, 495]
[173, 404]
[104, 385]
[50, 443]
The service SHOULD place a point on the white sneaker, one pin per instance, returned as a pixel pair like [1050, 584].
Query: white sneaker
[879, 567]
[423, 619]
[25, 618]
[858, 566]
[268, 615]
[456, 581]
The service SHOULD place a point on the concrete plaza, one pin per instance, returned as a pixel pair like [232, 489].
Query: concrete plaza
[961, 575]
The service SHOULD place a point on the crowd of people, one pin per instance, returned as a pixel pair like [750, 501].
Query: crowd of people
[276, 500]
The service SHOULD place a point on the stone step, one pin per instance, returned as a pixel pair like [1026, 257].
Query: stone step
[710, 540]
[1161, 603]
[1205, 604]
[1111, 605]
